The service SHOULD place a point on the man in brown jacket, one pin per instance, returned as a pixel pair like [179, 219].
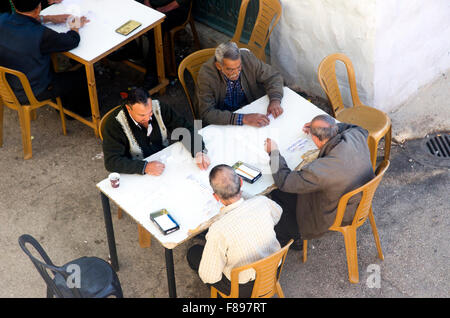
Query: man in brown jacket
[309, 197]
[232, 79]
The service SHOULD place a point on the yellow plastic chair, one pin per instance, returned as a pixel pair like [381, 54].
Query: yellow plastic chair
[267, 276]
[377, 123]
[26, 112]
[170, 41]
[193, 63]
[145, 238]
[268, 16]
[363, 211]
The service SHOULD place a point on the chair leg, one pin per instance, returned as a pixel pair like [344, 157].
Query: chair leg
[49, 293]
[119, 213]
[387, 143]
[33, 114]
[375, 234]
[305, 250]
[279, 290]
[351, 252]
[61, 113]
[194, 33]
[24, 118]
[373, 144]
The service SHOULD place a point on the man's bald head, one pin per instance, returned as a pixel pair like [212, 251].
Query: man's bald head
[323, 127]
[225, 182]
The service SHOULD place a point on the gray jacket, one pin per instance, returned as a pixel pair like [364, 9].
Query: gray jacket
[343, 165]
[257, 80]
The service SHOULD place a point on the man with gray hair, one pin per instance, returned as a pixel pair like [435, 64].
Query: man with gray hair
[232, 79]
[309, 197]
[244, 234]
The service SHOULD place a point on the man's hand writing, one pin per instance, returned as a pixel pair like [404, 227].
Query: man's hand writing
[154, 168]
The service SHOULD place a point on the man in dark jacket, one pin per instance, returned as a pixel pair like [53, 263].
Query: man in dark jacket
[232, 79]
[309, 197]
[141, 128]
[26, 46]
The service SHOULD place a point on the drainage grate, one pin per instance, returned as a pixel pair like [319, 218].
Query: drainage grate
[439, 145]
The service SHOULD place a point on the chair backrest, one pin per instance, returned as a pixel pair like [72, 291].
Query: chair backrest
[103, 121]
[45, 266]
[269, 14]
[183, 25]
[7, 93]
[267, 274]
[193, 63]
[365, 204]
[328, 80]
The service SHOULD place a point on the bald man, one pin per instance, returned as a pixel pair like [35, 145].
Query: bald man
[309, 197]
[244, 234]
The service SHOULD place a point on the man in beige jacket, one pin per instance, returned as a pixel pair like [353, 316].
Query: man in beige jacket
[232, 79]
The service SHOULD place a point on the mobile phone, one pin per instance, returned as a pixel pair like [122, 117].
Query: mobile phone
[247, 172]
[165, 222]
[128, 27]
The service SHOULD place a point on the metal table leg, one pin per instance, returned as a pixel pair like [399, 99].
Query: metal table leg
[110, 232]
[170, 273]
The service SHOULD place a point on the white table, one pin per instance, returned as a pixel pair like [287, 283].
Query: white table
[183, 189]
[99, 38]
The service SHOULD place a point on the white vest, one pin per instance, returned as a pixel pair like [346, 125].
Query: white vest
[135, 149]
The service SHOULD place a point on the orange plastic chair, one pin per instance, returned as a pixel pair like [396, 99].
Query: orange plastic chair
[268, 16]
[193, 63]
[267, 276]
[145, 238]
[26, 112]
[377, 123]
[363, 211]
[170, 44]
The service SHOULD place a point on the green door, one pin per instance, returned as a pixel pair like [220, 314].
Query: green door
[222, 15]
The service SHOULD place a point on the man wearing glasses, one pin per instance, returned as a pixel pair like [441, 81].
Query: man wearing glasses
[232, 79]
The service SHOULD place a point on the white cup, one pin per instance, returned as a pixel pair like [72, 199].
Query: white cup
[115, 179]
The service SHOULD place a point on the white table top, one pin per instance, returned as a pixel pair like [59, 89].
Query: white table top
[183, 189]
[99, 35]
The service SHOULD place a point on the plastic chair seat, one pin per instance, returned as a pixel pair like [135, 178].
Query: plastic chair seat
[97, 279]
[375, 121]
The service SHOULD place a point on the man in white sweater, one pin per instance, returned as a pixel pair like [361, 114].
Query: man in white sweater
[244, 234]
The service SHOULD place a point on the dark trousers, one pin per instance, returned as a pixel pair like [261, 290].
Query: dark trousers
[72, 88]
[194, 256]
[287, 227]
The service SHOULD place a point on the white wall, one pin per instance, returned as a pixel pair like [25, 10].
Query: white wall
[396, 46]
[412, 48]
